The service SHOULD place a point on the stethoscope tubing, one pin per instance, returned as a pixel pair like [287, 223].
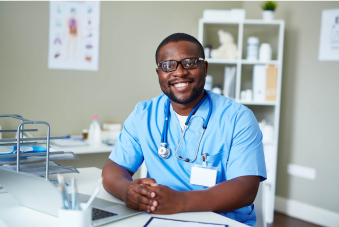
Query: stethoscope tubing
[189, 118]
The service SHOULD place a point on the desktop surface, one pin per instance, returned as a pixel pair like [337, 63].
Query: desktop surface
[14, 215]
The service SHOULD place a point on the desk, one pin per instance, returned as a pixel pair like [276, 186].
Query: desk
[91, 149]
[15, 215]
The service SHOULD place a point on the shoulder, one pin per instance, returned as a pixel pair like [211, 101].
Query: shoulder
[225, 106]
[150, 104]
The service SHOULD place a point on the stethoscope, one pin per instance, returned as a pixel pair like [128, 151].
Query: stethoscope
[164, 151]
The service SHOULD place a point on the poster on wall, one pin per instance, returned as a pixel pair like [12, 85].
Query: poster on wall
[329, 36]
[74, 34]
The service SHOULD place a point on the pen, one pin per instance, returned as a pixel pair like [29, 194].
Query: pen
[77, 207]
[99, 184]
[64, 190]
[73, 193]
[64, 197]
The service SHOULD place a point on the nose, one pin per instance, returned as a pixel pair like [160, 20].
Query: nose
[180, 72]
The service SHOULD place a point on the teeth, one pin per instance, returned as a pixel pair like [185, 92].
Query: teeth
[181, 85]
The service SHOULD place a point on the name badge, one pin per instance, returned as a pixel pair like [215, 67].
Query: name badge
[203, 175]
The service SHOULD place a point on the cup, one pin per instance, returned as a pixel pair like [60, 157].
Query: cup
[75, 218]
[84, 133]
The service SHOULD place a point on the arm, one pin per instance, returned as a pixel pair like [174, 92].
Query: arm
[224, 197]
[245, 168]
[118, 182]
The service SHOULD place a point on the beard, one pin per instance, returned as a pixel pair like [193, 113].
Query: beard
[196, 92]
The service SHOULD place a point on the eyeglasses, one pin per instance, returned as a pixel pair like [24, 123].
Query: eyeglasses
[172, 65]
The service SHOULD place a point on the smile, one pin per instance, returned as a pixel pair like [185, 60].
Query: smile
[180, 85]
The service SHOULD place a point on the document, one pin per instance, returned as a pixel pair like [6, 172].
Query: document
[40, 168]
[329, 36]
[164, 222]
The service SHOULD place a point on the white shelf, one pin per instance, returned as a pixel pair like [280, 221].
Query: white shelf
[221, 61]
[267, 110]
[257, 62]
[268, 142]
[243, 61]
[264, 22]
[249, 21]
[265, 103]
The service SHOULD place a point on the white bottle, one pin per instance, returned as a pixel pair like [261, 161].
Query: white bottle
[208, 82]
[265, 53]
[252, 48]
[94, 133]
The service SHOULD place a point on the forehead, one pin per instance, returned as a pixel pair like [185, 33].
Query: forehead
[178, 51]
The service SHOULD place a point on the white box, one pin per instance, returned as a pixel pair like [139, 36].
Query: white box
[259, 83]
[224, 15]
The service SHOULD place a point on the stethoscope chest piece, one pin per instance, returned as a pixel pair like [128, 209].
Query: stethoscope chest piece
[164, 151]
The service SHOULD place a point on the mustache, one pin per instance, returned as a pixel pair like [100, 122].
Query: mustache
[170, 82]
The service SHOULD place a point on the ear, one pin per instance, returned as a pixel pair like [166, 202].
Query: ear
[205, 67]
[157, 70]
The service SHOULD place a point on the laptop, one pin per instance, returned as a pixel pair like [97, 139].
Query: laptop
[39, 194]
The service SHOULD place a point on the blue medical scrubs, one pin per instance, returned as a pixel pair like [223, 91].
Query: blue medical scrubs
[232, 141]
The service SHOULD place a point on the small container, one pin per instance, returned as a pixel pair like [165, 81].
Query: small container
[217, 89]
[248, 95]
[85, 133]
[265, 53]
[208, 82]
[207, 51]
[268, 15]
[75, 218]
[252, 48]
[243, 95]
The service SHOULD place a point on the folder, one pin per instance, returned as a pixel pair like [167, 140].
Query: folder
[271, 83]
[259, 83]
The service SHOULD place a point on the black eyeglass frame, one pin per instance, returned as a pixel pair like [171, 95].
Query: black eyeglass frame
[179, 62]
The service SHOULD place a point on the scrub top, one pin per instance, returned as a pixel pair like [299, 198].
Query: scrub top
[232, 141]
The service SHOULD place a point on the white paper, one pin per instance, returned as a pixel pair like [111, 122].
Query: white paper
[203, 176]
[74, 34]
[160, 222]
[329, 35]
[69, 143]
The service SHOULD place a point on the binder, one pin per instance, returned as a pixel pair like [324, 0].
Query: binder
[259, 83]
[271, 83]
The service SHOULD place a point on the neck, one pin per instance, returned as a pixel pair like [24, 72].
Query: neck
[185, 109]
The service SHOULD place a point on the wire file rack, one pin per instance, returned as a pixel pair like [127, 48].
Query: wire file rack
[16, 159]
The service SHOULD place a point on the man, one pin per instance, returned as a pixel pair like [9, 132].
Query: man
[231, 145]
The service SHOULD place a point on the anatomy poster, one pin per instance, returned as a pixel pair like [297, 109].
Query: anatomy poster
[329, 36]
[74, 34]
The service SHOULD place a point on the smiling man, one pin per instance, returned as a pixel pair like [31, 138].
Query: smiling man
[203, 151]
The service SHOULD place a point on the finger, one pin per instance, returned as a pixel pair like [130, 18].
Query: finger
[143, 207]
[149, 181]
[138, 198]
[154, 190]
[143, 190]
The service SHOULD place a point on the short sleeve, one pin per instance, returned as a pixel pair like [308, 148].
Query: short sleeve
[246, 155]
[127, 151]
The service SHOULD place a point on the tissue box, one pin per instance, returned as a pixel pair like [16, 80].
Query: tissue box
[224, 15]
[110, 130]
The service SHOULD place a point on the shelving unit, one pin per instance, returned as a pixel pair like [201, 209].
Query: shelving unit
[268, 32]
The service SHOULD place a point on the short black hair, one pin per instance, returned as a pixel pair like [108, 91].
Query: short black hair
[176, 37]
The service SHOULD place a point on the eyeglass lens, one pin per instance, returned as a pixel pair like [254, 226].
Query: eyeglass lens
[188, 63]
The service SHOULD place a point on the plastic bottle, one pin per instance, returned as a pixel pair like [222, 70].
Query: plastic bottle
[94, 133]
[252, 48]
[208, 82]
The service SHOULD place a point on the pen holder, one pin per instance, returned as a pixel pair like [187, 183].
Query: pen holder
[75, 218]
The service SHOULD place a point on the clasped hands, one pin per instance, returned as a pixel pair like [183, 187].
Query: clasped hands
[146, 195]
